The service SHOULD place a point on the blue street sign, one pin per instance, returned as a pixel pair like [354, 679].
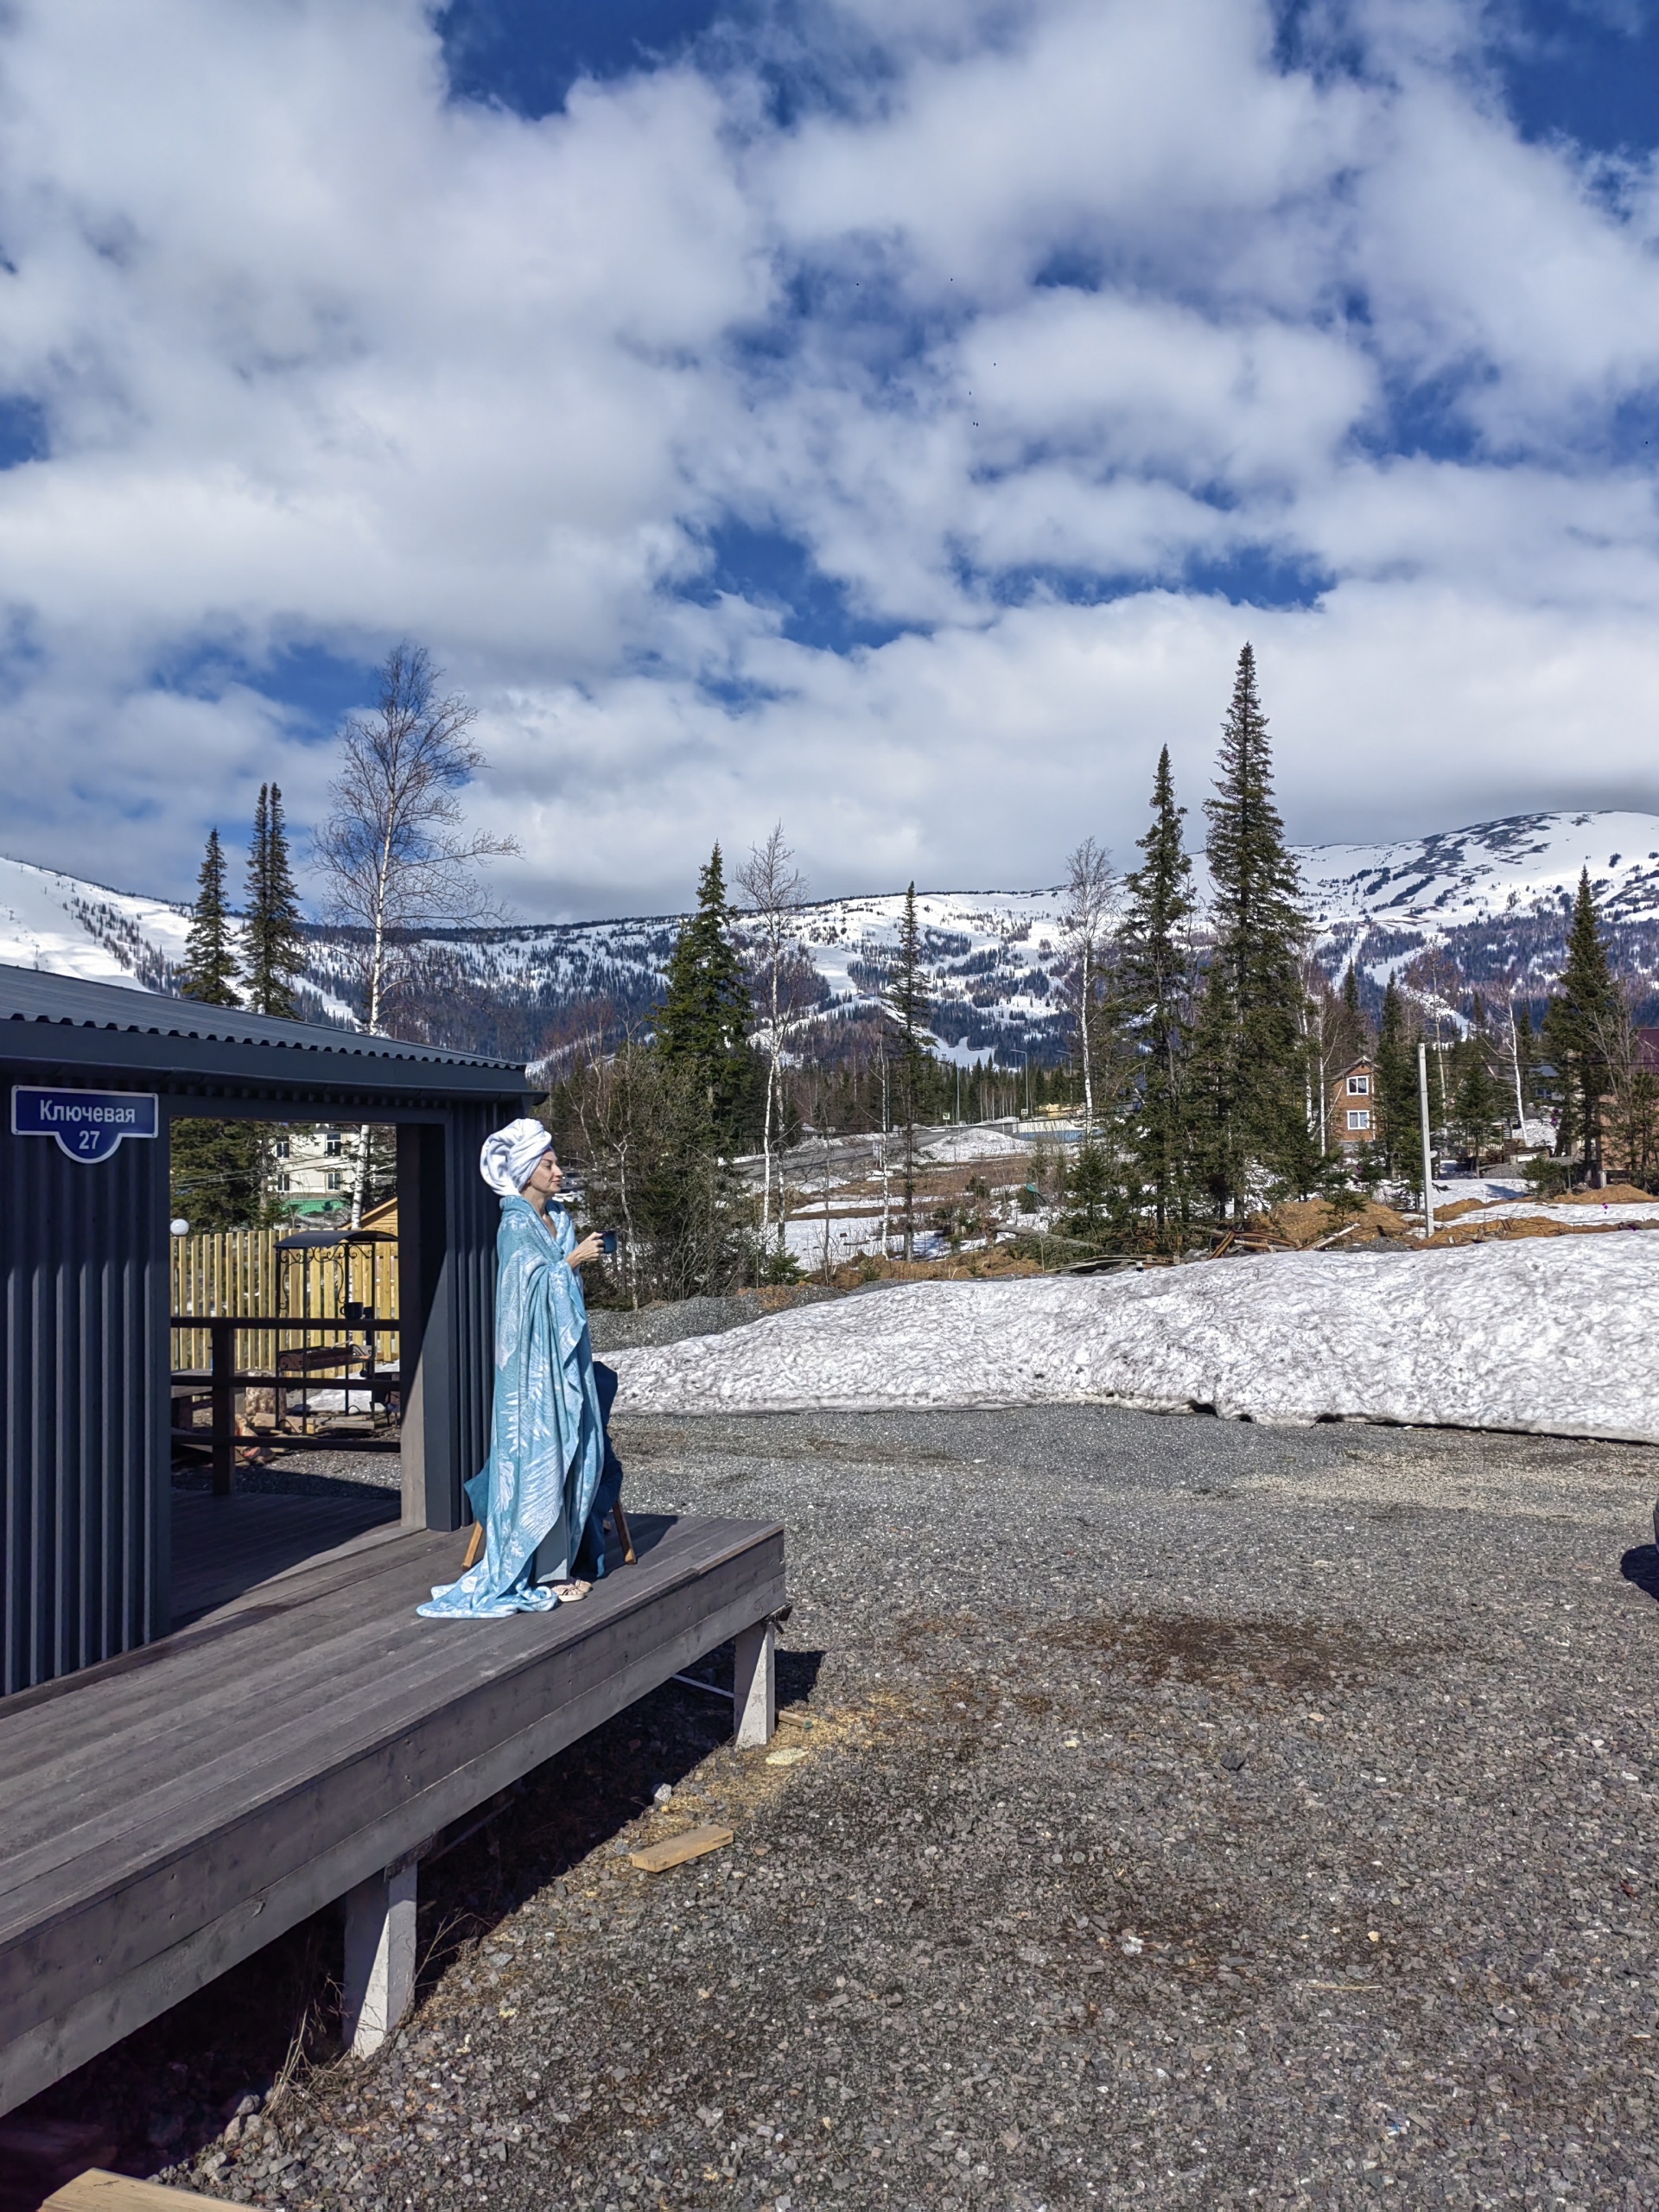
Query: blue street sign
[87, 1124]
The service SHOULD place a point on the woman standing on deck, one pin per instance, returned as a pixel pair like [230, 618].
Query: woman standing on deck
[551, 1476]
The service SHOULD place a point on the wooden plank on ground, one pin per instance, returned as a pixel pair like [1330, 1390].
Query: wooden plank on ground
[98, 2192]
[675, 1850]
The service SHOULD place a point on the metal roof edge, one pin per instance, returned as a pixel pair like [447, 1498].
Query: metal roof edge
[85, 1004]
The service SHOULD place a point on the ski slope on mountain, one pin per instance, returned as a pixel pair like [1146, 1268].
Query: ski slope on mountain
[1493, 896]
[69, 927]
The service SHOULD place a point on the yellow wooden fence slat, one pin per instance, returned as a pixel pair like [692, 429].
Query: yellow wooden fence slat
[241, 1271]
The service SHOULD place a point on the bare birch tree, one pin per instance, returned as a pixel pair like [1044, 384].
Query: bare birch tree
[1086, 927]
[776, 891]
[392, 852]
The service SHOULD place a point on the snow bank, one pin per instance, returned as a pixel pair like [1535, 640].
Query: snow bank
[1554, 1335]
[971, 1141]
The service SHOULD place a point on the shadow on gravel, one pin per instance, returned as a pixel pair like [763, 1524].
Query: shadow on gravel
[1641, 1566]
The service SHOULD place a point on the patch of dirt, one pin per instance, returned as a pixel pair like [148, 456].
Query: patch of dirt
[1220, 1654]
[1478, 1231]
[1181, 1646]
[995, 1263]
[1301, 1222]
[1605, 1491]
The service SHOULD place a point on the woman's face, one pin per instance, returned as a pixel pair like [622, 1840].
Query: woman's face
[545, 1177]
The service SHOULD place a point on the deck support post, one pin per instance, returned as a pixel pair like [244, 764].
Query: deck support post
[754, 1684]
[379, 1957]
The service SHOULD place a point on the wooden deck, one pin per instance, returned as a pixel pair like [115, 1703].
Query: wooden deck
[168, 1812]
[225, 1546]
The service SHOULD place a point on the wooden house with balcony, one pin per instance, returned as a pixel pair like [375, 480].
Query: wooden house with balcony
[1351, 1108]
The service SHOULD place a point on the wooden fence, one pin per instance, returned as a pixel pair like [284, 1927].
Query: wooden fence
[241, 1271]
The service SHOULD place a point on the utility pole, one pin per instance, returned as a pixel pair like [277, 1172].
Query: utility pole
[1429, 1158]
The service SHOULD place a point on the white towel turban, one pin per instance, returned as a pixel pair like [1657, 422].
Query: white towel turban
[508, 1156]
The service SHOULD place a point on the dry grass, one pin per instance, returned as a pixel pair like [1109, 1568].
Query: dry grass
[1476, 1231]
[995, 1263]
[1300, 1223]
[1476, 1221]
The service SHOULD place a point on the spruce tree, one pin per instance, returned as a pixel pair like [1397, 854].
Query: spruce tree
[1580, 1024]
[210, 967]
[1480, 1101]
[214, 1166]
[1250, 1032]
[1524, 1070]
[1353, 1037]
[704, 1017]
[276, 947]
[907, 1008]
[1155, 985]
[1397, 1110]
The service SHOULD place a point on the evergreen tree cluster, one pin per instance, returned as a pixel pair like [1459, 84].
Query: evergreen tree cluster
[219, 1169]
[256, 964]
[1216, 1057]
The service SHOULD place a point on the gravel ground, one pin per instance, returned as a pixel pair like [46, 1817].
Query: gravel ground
[613, 1329]
[312, 1473]
[1186, 1813]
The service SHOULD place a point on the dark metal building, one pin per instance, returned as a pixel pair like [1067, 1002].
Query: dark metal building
[93, 1075]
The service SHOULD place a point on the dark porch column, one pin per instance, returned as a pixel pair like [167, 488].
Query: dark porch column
[447, 1221]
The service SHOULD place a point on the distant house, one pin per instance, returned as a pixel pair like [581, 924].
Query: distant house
[1351, 1109]
[312, 1171]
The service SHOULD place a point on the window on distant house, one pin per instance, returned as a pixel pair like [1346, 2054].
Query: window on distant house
[283, 1148]
[284, 1182]
[337, 1181]
[1360, 1120]
[332, 1144]
[1359, 1086]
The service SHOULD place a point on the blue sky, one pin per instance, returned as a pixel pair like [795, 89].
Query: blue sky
[889, 416]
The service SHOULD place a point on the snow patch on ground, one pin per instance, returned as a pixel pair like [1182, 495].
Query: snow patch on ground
[1554, 1337]
[971, 1143]
[1484, 1189]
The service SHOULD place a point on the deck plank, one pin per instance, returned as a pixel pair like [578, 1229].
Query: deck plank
[342, 1622]
[243, 1717]
[223, 1546]
[276, 1754]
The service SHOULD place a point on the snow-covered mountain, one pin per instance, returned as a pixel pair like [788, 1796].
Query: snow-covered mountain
[1488, 902]
[67, 927]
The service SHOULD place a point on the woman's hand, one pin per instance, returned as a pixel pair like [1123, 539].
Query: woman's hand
[592, 1247]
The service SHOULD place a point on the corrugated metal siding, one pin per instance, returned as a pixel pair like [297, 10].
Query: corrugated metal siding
[474, 1216]
[83, 1405]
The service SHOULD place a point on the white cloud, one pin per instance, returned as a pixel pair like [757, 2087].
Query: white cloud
[1081, 291]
